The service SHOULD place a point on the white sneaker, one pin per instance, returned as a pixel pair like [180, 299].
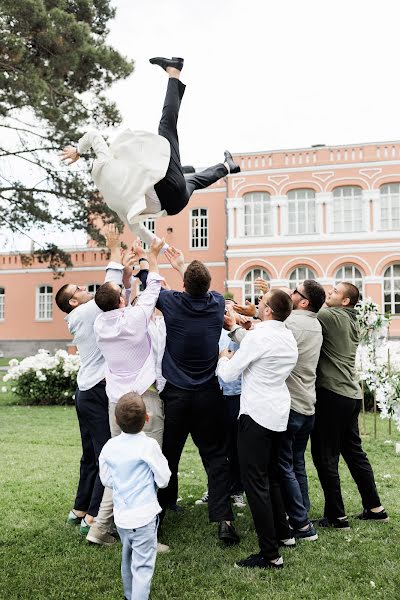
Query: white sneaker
[238, 500]
[289, 543]
[162, 548]
[203, 499]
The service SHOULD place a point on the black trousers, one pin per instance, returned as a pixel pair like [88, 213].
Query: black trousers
[174, 190]
[258, 449]
[199, 413]
[92, 411]
[336, 433]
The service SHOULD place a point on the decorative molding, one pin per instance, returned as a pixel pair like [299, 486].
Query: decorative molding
[237, 181]
[370, 173]
[324, 175]
[311, 250]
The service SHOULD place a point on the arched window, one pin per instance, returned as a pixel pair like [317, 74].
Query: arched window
[93, 287]
[390, 206]
[391, 289]
[44, 303]
[2, 302]
[352, 274]
[299, 274]
[257, 214]
[301, 211]
[251, 293]
[198, 228]
[347, 209]
[151, 226]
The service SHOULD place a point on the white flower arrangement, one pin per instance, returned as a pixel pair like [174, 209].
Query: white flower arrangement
[44, 378]
[378, 361]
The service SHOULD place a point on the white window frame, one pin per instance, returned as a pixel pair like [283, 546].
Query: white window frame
[353, 278]
[343, 197]
[198, 228]
[305, 204]
[44, 303]
[390, 201]
[295, 281]
[252, 202]
[94, 285]
[255, 272]
[150, 224]
[2, 303]
[392, 280]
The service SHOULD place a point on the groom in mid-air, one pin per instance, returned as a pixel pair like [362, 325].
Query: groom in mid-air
[140, 175]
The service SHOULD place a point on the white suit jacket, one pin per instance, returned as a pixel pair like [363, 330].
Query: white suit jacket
[124, 171]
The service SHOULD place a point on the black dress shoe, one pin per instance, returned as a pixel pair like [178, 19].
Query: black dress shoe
[187, 169]
[175, 507]
[233, 167]
[227, 533]
[175, 62]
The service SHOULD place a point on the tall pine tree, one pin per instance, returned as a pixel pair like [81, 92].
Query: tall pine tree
[55, 67]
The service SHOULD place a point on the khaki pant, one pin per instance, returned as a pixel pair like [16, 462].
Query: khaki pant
[154, 429]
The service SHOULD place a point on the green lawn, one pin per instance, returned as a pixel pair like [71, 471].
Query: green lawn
[42, 558]
[4, 361]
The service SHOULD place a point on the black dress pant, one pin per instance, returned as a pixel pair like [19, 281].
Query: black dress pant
[92, 411]
[174, 190]
[199, 413]
[336, 433]
[258, 449]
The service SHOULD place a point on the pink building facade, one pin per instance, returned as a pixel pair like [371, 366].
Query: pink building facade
[329, 213]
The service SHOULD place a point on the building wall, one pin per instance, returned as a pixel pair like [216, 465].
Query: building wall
[235, 245]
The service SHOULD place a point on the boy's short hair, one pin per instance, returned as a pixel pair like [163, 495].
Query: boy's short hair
[130, 413]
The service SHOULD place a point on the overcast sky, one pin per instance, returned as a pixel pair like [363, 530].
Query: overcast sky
[261, 74]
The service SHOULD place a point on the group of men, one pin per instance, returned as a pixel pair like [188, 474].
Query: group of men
[250, 411]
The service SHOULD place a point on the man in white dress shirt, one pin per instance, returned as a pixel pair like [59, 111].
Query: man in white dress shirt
[265, 359]
[140, 175]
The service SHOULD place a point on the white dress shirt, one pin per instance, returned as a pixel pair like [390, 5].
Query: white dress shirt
[158, 336]
[265, 358]
[132, 464]
[80, 323]
[125, 173]
[124, 340]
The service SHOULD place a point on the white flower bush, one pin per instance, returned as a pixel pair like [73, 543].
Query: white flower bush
[45, 378]
[378, 361]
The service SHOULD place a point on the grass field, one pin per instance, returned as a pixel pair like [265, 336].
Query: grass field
[42, 558]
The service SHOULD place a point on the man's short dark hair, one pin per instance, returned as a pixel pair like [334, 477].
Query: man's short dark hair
[197, 279]
[107, 297]
[351, 292]
[130, 413]
[315, 294]
[281, 304]
[62, 299]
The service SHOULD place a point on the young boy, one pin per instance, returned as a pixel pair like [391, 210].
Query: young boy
[132, 464]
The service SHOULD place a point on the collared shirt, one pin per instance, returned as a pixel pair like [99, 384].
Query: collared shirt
[232, 388]
[265, 358]
[301, 382]
[158, 336]
[80, 323]
[193, 331]
[132, 465]
[123, 338]
[336, 368]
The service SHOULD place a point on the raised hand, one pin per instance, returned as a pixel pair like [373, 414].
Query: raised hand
[229, 319]
[156, 246]
[249, 310]
[175, 257]
[129, 259]
[138, 249]
[69, 155]
[261, 284]
[111, 234]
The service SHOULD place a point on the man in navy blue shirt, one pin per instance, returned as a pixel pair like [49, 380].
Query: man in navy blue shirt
[192, 397]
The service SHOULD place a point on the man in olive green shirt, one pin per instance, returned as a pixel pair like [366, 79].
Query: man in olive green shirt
[336, 413]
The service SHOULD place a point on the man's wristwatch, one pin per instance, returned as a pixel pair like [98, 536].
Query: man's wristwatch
[142, 259]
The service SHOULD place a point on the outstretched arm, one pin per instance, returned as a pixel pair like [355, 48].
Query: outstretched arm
[91, 139]
[177, 260]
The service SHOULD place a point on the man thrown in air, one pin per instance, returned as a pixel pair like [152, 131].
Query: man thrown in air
[140, 174]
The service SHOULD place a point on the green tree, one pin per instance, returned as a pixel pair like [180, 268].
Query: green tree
[55, 66]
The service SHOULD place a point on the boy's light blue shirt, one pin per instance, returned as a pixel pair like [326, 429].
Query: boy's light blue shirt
[133, 465]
